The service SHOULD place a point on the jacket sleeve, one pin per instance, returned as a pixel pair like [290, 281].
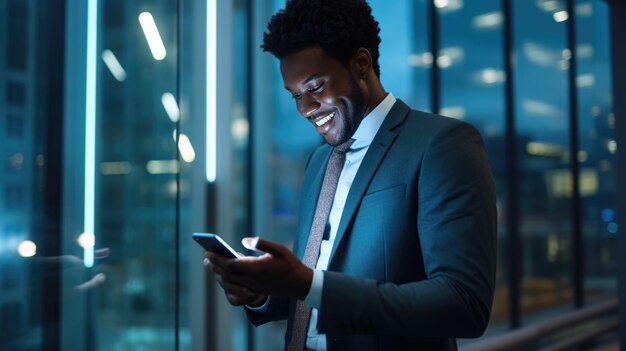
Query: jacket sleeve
[456, 222]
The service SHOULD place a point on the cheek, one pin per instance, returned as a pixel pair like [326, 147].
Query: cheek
[335, 100]
[328, 100]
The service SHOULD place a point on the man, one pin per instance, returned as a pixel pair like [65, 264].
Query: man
[399, 254]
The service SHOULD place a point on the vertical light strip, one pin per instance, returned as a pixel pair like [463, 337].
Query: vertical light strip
[211, 89]
[90, 129]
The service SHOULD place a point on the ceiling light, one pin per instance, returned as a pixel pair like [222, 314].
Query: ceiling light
[152, 35]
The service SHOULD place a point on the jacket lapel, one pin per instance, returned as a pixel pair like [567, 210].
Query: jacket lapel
[374, 156]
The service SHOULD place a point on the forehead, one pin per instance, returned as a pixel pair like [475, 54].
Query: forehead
[308, 63]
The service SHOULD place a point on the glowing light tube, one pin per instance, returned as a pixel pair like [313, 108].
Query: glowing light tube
[152, 35]
[113, 65]
[90, 129]
[211, 90]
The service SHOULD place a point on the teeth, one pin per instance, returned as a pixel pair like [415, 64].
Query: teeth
[323, 121]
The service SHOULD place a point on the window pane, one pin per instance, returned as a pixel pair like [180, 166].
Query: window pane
[19, 25]
[542, 120]
[405, 58]
[597, 148]
[25, 195]
[136, 185]
[472, 89]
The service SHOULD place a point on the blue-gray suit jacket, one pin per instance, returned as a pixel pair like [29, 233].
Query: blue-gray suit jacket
[413, 264]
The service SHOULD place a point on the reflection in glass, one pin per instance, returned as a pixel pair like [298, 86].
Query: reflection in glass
[136, 187]
[472, 89]
[541, 112]
[597, 148]
[29, 196]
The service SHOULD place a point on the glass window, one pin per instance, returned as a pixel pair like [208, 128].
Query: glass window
[472, 89]
[405, 58]
[23, 222]
[13, 196]
[14, 125]
[136, 154]
[16, 94]
[146, 192]
[50, 299]
[541, 122]
[18, 24]
[596, 133]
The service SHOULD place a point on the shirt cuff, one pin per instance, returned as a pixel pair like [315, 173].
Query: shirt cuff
[259, 309]
[314, 297]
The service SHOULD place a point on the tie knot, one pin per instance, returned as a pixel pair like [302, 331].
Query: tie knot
[343, 148]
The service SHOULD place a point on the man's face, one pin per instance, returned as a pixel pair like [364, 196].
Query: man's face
[326, 93]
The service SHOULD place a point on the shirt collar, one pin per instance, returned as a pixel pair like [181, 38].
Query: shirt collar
[371, 123]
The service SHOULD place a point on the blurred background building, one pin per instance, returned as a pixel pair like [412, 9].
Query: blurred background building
[126, 125]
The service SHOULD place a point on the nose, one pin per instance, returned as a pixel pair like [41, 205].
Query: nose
[307, 105]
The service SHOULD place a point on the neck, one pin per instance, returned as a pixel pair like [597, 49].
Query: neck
[378, 94]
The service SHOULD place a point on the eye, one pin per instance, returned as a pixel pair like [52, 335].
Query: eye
[317, 88]
[296, 96]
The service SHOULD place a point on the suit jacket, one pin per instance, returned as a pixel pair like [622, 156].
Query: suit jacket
[413, 264]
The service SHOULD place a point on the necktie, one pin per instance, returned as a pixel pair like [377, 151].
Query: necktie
[324, 203]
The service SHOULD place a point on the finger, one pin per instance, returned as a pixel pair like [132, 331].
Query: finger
[102, 253]
[210, 266]
[259, 300]
[74, 260]
[236, 289]
[226, 278]
[246, 280]
[260, 244]
[236, 300]
[213, 267]
[248, 265]
[218, 270]
[233, 299]
[218, 260]
[97, 279]
[250, 243]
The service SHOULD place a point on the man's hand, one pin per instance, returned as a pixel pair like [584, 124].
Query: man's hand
[74, 267]
[236, 295]
[277, 272]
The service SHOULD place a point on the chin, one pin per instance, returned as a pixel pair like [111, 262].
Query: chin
[337, 137]
[335, 141]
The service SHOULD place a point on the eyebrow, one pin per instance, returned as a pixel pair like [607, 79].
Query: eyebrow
[310, 78]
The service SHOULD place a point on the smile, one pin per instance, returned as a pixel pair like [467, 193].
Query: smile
[325, 120]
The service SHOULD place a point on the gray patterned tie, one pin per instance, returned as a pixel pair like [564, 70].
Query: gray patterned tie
[312, 251]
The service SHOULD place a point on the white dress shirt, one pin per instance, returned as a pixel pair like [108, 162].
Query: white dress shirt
[362, 139]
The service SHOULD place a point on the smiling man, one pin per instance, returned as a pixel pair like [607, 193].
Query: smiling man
[396, 244]
[327, 94]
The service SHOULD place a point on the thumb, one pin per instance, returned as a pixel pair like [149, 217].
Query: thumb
[262, 245]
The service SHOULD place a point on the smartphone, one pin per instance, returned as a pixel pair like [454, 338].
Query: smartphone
[213, 242]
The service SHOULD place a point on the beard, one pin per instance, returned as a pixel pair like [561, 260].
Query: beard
[354, 112]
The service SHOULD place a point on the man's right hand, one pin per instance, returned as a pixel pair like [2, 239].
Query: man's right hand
[236, 295]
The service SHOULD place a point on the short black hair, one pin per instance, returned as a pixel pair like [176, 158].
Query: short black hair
[339, 27]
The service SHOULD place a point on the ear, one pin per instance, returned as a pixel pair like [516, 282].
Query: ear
[362, 63]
